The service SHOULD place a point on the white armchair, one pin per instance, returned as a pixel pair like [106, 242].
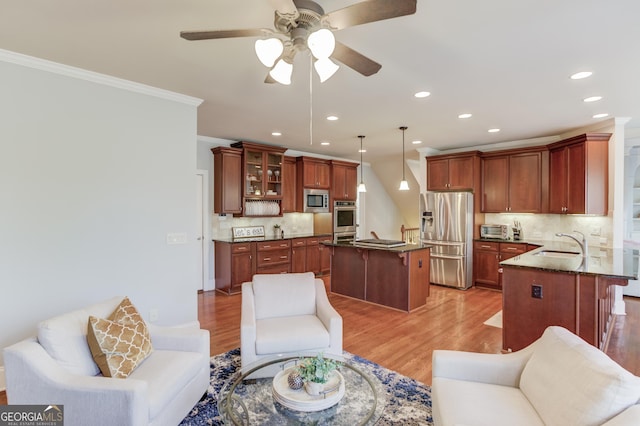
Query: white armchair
[160, 391]
[557, 380]
[286, 314]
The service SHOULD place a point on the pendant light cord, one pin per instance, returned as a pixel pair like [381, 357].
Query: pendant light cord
[403, 128]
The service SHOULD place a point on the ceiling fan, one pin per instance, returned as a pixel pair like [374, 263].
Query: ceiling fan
[304, 25]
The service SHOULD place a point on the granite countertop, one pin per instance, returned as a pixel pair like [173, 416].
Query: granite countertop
[400, 249]
[267, 238]
[616, 262]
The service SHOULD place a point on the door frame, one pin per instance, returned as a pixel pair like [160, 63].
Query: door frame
[206, 244]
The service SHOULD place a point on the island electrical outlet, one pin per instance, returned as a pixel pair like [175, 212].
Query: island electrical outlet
[536, 291]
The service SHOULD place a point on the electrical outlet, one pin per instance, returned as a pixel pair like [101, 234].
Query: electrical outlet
[153, 315]
[536, 291]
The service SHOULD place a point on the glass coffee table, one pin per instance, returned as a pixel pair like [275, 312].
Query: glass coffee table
[245, 401]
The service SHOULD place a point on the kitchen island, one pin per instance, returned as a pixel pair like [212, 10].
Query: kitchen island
[392, 276]
[551, 286]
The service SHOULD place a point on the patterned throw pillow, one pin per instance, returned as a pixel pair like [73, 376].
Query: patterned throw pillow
[119, 343]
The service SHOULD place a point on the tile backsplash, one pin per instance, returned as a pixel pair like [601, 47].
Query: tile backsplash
[290, 223]
[543, 227]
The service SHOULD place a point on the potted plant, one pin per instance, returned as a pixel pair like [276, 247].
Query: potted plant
[315, 372]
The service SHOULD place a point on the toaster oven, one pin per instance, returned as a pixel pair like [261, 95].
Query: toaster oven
[500, 232]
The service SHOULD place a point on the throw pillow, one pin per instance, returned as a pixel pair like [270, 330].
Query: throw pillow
[119, 343]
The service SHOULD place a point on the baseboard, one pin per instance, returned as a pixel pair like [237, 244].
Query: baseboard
[3, 383]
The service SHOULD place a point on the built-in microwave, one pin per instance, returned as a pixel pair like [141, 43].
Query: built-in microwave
[500, 232]
[316, 200]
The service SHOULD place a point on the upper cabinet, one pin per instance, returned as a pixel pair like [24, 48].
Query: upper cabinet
[515, 181]
[227, 178]
[344, 180]
[579, 175]
[262, 179]
[453, 171]
[289, 190]
[313, 173]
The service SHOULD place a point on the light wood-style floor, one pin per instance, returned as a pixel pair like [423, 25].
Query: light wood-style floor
[452, 319]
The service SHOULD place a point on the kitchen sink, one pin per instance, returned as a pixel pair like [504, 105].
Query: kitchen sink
[558, 254]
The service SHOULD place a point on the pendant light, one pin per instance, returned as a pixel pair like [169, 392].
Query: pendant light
[361, 187]
[404, 185]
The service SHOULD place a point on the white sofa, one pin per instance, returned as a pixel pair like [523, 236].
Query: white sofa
[286, 314]
[557, 380]
[160, 391]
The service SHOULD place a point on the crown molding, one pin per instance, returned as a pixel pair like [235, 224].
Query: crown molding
[94, 77]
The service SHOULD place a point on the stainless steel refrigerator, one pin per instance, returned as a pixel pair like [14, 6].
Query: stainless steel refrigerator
[446, 224]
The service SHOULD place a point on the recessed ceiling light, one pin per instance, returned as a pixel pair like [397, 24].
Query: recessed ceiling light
[362, 150]
[493, 130]
[465, 115]
[416, 142]
[422, 94]
[332, 118]
[325, 143]
[592, 98]
[276, 134]
[601, 115]
[581, 74]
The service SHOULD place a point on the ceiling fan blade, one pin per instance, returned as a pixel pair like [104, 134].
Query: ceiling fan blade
[369, 11]
[355, 60]
[208, 35]
[284, 7]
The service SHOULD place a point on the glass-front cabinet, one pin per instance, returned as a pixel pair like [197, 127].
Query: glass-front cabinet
[263, 179]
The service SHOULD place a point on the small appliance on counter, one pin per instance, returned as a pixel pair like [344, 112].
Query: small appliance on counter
[517, 230]
[499, 232]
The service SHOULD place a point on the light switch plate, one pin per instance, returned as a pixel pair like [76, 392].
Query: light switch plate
[176, 238]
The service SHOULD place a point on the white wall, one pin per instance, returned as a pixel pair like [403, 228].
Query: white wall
[377, 210]
[94, 173]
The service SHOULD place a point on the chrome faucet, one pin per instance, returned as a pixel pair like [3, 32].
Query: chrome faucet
[582, 243]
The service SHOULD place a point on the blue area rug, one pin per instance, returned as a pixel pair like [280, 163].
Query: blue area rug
[409, 401]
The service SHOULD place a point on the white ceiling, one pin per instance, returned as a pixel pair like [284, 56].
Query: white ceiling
[505, 61]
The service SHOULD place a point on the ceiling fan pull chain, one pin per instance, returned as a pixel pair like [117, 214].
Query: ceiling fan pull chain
[310, 100]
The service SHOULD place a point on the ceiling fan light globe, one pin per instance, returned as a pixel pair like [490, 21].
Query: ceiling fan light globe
[321, 43]
[325, 68]
[269, 50]
[404, 186]
[281, 72]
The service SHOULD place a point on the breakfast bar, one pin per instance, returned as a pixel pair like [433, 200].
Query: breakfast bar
[388, 273]
[557, 285]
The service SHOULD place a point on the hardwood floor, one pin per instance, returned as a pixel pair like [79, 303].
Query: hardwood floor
[452, 319]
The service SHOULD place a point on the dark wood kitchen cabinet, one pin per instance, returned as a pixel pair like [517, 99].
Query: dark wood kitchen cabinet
[299, 255]
[289, 189]
[344, 180]
[487, 256]
[313, 255]
[262, 178]
[273, 257]
[453, 172]
[578, 175]
[227, 178]
[313, 173]
[515, 181]
[235, 264]
[325, 255]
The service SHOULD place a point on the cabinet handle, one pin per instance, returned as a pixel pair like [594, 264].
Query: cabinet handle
[266, 246]
[283, 257]
[485, 247]
[241, 248]
[266, 259]
[510, 249]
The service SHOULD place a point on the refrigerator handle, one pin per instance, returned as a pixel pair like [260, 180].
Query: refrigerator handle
[440, 218]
